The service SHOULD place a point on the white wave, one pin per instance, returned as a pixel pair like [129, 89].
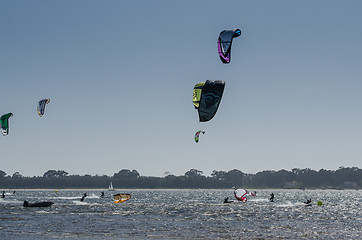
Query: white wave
[290, 204]
[259, 200]
[7, 201]
[42, 211]
[80, 203]
[85, 203]
[68, 198]
[93, 196]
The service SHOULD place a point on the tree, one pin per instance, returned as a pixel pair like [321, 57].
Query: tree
[125, 173]
[218, 175]
[17, 175]
[193, 173]
[267, 179]
[2, 174]
[54, 173]
[167, 173]
[235, 177]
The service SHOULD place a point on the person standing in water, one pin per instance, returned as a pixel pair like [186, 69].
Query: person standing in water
[271, 197]
[3, 196]
[84, 195]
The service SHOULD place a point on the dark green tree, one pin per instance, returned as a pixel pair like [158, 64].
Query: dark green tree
[17, 175]
[2, 174]
[125, 173]
[193, 173]
[55, 174]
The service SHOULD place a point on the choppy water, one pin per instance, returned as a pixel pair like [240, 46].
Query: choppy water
[183, 214]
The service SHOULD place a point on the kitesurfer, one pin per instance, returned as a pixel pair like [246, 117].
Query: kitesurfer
[309, 201]
[272, 197]
[3, 195]
[102, 194]
[84, 195]
[14, 192]
[226, 200]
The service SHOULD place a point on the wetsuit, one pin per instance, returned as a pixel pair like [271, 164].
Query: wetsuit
[272, 197]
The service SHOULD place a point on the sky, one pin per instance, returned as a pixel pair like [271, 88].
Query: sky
[120, 75]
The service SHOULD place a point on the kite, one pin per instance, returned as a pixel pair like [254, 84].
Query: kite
[252, 193]
[206, 98]
[121, 197]
[224, 43]
[41, 106]
[4, 123]
[197, 135]
[240, 194]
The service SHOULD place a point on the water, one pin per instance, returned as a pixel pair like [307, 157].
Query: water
[183, 214]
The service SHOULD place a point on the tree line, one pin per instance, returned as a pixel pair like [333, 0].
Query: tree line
[343, 178]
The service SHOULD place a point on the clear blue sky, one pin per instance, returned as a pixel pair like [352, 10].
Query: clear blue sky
[120, 76]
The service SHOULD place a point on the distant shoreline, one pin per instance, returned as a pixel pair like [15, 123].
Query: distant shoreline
[165, 189]
[342, 178]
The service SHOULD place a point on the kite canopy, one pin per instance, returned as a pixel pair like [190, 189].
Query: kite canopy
[207, 97]
[41, 106]
[121, 197]
[4, 123]
[224, 43]
[240, 194]
[197, 135]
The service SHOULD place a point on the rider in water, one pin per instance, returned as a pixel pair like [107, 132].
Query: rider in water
[272, 197]
[308, 201]
[84, 195]
[226, 200]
